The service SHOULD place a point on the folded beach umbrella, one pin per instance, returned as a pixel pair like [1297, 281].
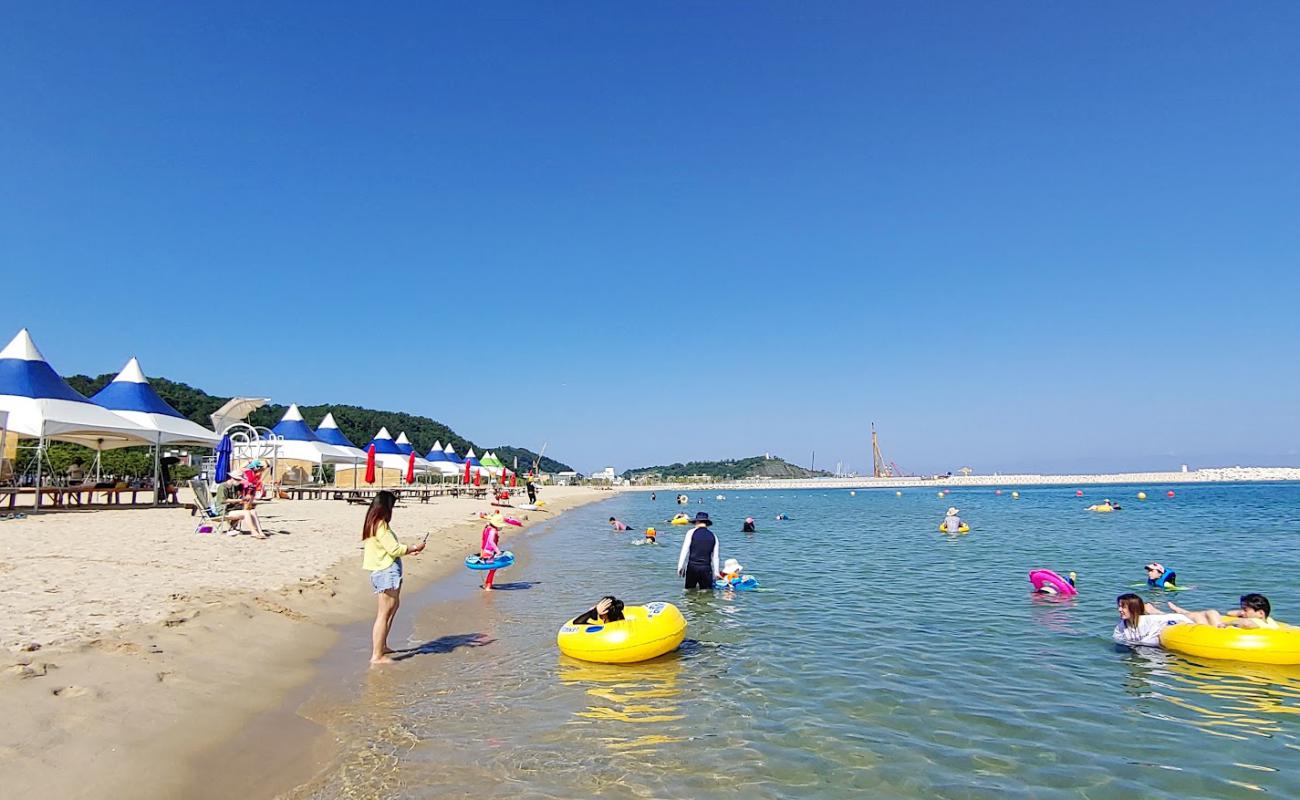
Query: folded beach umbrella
[130, 395]
[42, 405]
[370, 463]
[410, 467]
[478, 477]
[468, 467]
[223, 459]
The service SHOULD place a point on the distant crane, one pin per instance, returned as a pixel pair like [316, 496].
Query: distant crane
[880, 468]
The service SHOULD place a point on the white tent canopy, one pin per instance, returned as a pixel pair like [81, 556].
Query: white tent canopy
[329, 433]
[130, 395]
[404, 444]
[42, 405]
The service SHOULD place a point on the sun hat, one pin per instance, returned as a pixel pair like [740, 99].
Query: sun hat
[256, 464]
[702, 517]
[497, 520]
[952, 511]
[749, 519]
[732, 565]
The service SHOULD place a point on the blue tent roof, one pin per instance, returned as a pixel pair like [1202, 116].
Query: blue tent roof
[130, 391]
[454, 458]
[436, 454]
[293, 428]
[404, 448]
[23, 377]
[330, 434]
[384, 444]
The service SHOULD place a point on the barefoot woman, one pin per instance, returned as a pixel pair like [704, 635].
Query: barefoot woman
[383, 557]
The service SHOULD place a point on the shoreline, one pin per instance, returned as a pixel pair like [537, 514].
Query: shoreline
[158, 647]
[1216, 475]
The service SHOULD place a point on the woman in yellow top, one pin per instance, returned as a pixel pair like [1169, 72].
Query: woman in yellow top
[383, 557]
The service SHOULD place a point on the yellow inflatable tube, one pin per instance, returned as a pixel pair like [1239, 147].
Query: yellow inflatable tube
[644, 633]
[1257, 645]
[680, 521]
[962, 528]
[1101, 508]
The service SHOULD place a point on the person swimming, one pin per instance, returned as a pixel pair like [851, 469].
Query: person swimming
[951, 522]
[1159, 577]
[782, 517]
[609, 609]
[731, 571]
[1255, 611]
[1048, 588]
[650, 534]
[1141, 623]
[618, 524]
[748, 526]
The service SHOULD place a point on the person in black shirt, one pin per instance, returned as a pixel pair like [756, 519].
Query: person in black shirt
[698, 561]
[609, 609]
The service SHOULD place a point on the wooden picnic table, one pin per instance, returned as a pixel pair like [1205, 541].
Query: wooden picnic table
[83, 496]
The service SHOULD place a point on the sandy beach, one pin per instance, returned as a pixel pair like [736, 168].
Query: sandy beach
[132, 644]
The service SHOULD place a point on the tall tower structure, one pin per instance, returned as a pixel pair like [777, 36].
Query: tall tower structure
[880, 468]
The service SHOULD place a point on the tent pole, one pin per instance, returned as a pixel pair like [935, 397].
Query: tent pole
[157, 470]
[40, 446]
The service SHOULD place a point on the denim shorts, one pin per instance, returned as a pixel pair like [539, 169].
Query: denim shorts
[389, 577]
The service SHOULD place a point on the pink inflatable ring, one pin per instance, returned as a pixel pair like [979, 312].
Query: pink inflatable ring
[1045, 577]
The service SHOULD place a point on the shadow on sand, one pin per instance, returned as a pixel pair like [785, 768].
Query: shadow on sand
[514, 587]
[444, 644]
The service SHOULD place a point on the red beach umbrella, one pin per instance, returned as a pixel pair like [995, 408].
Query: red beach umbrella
[478, 477]
[410, 468]
[466, 473]
[370, 464]
[514, 479]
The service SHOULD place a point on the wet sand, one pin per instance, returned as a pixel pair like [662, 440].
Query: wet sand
[141, 656]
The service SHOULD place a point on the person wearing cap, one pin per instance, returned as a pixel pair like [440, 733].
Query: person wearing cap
[1160, 577]
[748, 526]
[253, 478]
[952, 523]
[698, 560]
[731, 572]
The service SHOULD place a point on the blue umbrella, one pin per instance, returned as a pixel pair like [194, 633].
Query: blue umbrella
[223, 459]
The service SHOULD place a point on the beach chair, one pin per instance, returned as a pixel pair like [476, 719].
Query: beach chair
[209, 515]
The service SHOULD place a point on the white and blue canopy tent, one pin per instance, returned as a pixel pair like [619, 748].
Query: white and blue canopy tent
[387, 454]
[438, 460]
[42, 406]
[130, 395]
[454, 459]
[292, 444]
[404, 444]
[329, 433]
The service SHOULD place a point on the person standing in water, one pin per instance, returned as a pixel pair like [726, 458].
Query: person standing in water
[491, 546]
[383, 557]
[698, 560]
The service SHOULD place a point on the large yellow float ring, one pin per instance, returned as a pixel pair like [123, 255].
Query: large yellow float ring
[1257, 645]
[644, 633]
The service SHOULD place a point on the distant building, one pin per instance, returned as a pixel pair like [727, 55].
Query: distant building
[566, 478]
[606, 475]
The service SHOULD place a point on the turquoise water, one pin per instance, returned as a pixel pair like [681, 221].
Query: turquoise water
[886, 660]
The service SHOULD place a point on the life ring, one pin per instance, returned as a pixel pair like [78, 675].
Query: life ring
[746, 583]
[505, 559]
[645, 632]
[1045, 577]
[680, 521]
[1257, 645]
[962, 528]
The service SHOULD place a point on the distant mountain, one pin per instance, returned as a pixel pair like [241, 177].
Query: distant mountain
[732, 469]
[357, 423]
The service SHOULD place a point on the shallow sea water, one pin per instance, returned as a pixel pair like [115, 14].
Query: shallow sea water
[882, 659]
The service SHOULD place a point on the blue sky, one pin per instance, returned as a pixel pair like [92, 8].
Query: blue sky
[1014, 235]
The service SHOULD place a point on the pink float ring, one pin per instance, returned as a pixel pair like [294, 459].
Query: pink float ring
[1045, 577]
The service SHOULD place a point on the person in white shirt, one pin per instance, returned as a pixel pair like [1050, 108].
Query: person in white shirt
[1140, 623]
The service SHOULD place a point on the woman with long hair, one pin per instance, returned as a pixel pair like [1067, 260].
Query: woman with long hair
[383, 557]
[1140, 623]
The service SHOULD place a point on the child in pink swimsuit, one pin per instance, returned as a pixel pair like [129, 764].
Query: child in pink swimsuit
[491, 547]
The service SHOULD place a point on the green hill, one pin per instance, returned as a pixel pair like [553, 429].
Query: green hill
[731, 469]
[357, 423]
